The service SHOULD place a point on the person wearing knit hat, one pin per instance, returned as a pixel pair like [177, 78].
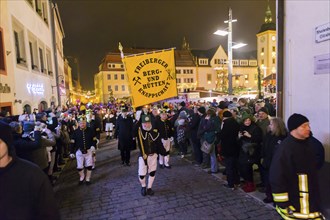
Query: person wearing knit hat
[227, 114]
[201, 110]
[41, 116]
[6, 137]
[263, 109]
[293, 172]
[19, 177]
[295, 121]
[230, 149]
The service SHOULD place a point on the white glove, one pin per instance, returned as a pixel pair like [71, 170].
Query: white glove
[72, 156]
[92, 149]
[97, 141]
[171, 139]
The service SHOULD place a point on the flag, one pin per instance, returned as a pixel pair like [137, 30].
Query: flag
[151, 76]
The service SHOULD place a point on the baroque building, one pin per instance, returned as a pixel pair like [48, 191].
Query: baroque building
[267, 46]
[197, 71]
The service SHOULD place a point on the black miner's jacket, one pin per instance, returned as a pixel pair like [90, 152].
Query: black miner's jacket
[294, 158]
[82, 139]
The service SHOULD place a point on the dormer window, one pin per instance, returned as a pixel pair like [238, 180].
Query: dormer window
[203, 61]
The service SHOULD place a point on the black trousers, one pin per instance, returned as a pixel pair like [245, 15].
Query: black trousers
[232, 171]
[125, 154]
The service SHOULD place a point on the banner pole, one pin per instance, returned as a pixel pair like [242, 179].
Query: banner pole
[120, 47]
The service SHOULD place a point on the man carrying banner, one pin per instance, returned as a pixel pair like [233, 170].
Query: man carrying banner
[149, 144]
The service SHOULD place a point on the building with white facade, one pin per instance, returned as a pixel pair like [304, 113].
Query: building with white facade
[30, 68]
[304, 61]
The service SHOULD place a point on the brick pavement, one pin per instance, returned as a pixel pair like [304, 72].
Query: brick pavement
[183, 192]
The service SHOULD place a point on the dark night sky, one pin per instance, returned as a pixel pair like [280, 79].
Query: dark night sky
[94, 27]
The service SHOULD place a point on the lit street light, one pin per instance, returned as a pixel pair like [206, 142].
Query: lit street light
[230, 47]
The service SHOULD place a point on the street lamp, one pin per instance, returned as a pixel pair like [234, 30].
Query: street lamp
[230, 47]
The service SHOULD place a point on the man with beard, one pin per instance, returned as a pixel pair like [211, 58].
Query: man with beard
[149, 144]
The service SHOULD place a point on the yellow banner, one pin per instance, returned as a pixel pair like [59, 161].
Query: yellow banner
[151, 77]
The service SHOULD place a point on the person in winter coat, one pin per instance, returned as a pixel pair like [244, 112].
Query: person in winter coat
[193, 125]
[208, 131]
[275, 135]
[124, 134]
[250, 138]
[230, 148]
[24, 188]
[293, 173]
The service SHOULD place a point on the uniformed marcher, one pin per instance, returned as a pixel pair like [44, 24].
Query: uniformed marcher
[293, 173]
[95, 124]
[166, 131]
[83, 142]
[149, 144]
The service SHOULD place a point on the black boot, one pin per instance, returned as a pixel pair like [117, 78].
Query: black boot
[144, 191]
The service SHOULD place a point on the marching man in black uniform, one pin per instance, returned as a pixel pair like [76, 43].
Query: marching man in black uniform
[83, 142]
[149, 143]
[165, 130]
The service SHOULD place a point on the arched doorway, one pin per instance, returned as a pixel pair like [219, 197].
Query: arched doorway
[43, 106]
[27, 108]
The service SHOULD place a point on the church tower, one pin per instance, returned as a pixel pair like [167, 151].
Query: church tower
[266, 46]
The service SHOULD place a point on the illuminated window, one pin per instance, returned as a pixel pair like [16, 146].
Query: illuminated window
[116, 87]
[49, 62]
[253, 63]
[123, 88]
[203, 61]
[41, 60]
[244, 62]
[19, 47]
[109, 88]
[209, 77]
[223, 61]
[33, 55]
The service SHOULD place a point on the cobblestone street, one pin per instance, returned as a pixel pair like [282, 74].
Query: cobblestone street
[183, 192]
